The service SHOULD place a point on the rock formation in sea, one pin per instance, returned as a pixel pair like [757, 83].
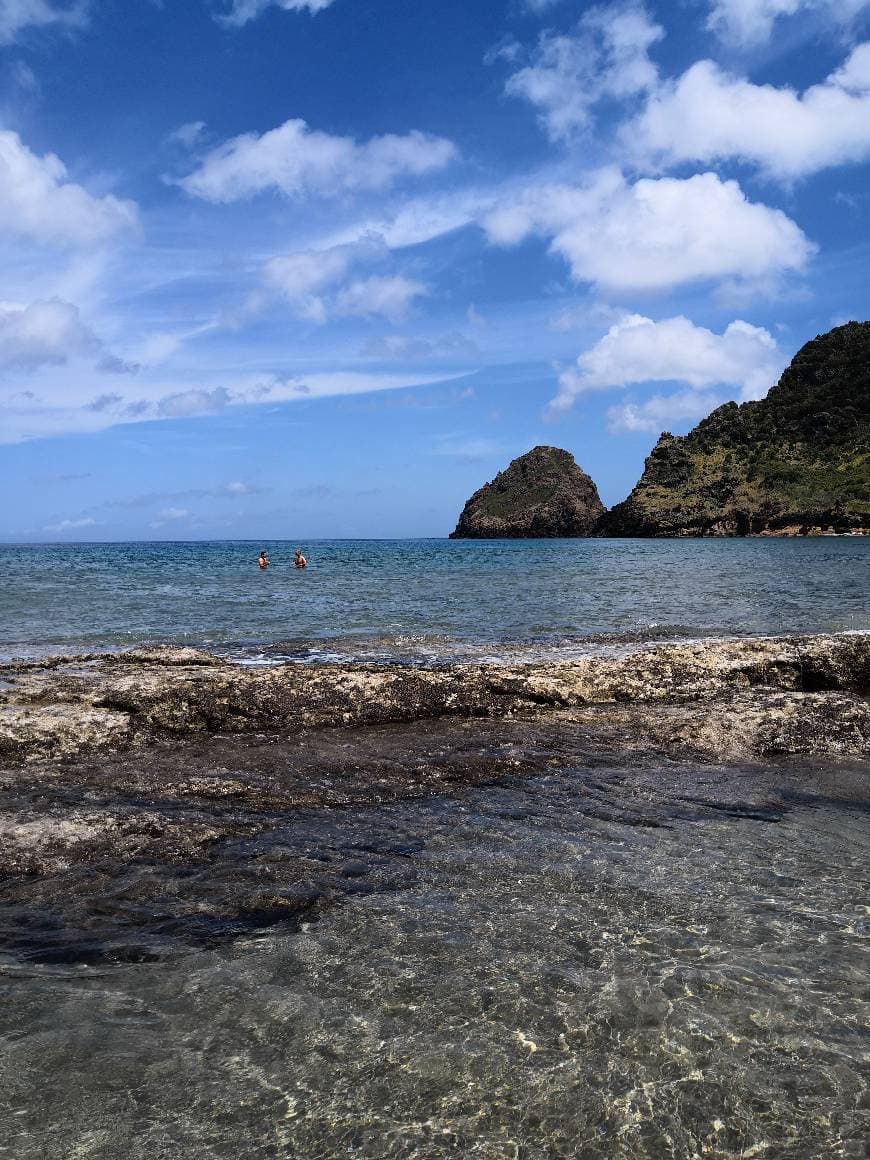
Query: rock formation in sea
[796, 462]
[542, 494]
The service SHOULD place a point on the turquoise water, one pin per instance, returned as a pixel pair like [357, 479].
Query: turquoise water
[430, 600]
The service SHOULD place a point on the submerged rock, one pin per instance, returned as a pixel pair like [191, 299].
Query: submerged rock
[160, 799]
[542, 494]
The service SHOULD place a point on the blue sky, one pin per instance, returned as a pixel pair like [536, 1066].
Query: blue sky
[313, 268]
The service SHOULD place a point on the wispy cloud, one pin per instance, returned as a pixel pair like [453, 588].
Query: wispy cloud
[750, 22]
[240, 12]
[71, 525]
[607, 58]
[18, 15]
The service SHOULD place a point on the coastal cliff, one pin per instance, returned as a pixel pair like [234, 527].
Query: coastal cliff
[796, 462]
[541, 494]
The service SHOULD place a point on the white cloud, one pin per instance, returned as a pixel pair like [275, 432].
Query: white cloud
[298, 161]
[749, 22]
[16, 15]
[607, 58]
[64, 404]
[173, 513]
[638, 350]
[187, 134]
[70, 525]
[241, 11]
[184, 404]
[38, 202]
[707, 115]
[389, 296]
[654, 233]
[661, 411]
[42, 334]
[311, 283]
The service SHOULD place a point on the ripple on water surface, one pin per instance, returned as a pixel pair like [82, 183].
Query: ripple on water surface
[544, 981]
[425, 599]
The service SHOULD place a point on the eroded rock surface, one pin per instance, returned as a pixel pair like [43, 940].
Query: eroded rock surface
[165, 798]
[73, 705]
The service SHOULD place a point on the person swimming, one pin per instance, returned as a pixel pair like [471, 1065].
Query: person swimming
[263, 561]
[299, 560]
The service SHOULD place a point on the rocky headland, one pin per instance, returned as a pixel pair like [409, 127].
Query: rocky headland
[794, 463]
[541, 494]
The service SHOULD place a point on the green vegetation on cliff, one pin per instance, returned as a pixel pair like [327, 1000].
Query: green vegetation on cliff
[795, 461]
[543, 493]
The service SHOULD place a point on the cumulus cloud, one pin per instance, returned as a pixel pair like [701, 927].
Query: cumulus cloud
[661, 411]
[319, 284]
[638, 350]
[607, 58]
[16, 15]
[241, 11]
[750, 22]
[42, 334]
[708, 115]
[38, 202]
[298, 162]
[655, 233]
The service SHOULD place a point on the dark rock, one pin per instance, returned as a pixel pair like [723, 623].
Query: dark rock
[794, 463]
[542, 494]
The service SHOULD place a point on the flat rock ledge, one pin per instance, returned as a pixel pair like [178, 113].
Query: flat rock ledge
[730, 698]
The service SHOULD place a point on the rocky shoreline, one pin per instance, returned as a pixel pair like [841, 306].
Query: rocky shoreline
[737, 697]
[162, 799]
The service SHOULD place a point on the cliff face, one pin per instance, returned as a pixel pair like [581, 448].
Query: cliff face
[797, 461]
[542, 494]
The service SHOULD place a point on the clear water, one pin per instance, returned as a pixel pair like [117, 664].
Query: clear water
[617, 956]
[538, 981]
[425, 599]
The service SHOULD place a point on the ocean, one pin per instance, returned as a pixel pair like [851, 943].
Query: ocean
[517, 938]
[425, 600]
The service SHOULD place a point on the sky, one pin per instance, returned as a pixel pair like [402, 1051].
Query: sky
[320, 268]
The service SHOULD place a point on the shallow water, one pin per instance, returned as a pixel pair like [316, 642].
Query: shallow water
[606, 959]
[426, 600]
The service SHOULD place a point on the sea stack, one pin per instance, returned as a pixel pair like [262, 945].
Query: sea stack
[542, 494]
[794, 463]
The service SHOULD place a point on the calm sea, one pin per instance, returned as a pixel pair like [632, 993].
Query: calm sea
[425, 600]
